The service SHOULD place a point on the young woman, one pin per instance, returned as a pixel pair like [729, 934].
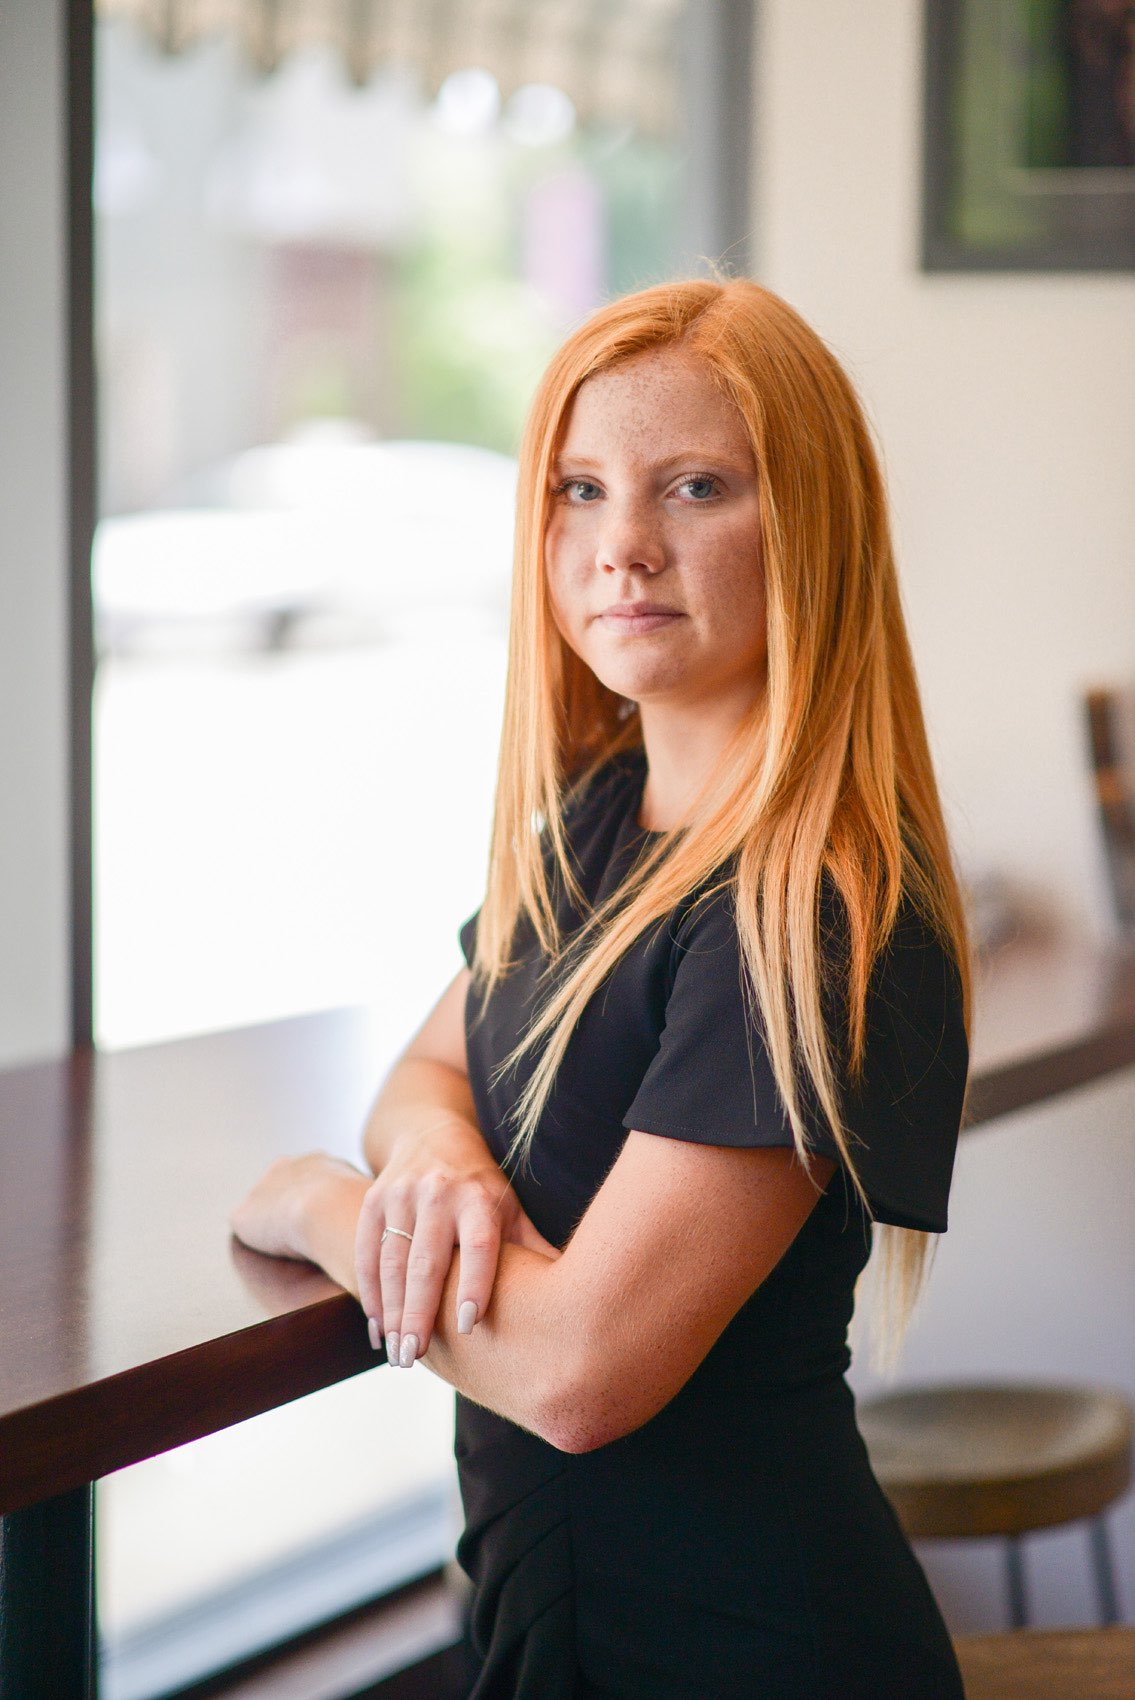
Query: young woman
[712, 1029]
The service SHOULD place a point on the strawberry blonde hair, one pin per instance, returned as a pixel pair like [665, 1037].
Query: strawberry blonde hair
[830, 781]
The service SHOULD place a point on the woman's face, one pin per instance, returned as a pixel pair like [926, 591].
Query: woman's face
[653, 543]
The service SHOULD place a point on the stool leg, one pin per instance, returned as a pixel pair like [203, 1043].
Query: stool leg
[1015, 1578]
[1104, 1568]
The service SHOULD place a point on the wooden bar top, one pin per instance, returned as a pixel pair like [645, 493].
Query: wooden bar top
[130, 1321]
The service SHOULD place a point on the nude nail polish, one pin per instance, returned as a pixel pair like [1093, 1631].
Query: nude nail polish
[408, 1350]
[392, 1349]
[466, 1317]
[374, 1332]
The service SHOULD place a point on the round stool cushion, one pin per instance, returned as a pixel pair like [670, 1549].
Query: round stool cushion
[998, 1460]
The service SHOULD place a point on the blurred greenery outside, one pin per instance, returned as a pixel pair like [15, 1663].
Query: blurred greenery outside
[467, 336]
[251, 280]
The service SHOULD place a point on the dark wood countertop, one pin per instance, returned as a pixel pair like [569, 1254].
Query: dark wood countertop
[129, 1320]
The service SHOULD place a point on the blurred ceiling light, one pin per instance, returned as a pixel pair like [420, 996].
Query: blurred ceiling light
[539, 115]
[468, 102]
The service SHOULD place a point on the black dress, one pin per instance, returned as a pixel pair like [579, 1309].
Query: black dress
[737, 1545]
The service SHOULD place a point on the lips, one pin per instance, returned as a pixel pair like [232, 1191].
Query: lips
[630, 617]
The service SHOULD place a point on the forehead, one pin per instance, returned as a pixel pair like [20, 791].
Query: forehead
[657, 403]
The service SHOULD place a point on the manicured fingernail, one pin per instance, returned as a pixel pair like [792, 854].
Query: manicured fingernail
[466, 1317]
[392, 1349]
[374, 1331]
[408, 1350]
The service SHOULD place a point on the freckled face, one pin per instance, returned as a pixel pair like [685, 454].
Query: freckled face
[653, 543]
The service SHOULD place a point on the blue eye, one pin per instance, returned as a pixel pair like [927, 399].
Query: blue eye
[578, 490]
[700, 488]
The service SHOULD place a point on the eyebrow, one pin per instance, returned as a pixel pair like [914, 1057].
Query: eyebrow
[685, 457]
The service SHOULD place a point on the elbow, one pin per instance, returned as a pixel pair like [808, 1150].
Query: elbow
[575, 1431]
[572, 1432]
[580, 1413]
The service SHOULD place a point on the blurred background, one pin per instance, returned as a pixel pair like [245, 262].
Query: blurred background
[334, 248]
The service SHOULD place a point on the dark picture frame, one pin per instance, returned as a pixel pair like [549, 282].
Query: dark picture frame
[1029, 135]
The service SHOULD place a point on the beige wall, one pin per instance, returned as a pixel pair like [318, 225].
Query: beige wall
[34, 922]
[1006, 407]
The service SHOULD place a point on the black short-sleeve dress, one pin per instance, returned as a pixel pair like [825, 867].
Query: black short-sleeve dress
[737, 1546]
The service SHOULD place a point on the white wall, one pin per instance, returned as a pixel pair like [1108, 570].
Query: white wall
[34, 922]
[1006, 408]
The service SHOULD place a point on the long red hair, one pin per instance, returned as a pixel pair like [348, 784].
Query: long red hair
[832, 779]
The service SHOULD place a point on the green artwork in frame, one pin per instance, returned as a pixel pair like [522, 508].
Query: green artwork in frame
[1029, 135]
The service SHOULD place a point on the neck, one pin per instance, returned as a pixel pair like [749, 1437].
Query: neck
[683, 746]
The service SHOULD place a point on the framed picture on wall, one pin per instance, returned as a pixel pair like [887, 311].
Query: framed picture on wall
[1029, 135]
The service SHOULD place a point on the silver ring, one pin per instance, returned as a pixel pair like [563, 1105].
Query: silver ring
[401, 1232]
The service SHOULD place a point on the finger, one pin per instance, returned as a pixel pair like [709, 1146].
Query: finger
[479, 1237]
[426, 1270]
[393, 1256]
[368, 1236]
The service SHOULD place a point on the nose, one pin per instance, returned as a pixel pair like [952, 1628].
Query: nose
[629, 539]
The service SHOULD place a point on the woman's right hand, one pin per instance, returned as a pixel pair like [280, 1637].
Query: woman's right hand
[437, 1191]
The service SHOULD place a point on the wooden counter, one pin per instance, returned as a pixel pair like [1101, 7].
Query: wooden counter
[130, 1322]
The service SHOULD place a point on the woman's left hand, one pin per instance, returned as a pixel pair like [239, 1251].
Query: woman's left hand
[303, 1207]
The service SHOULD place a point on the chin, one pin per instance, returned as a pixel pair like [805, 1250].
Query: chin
[638, 685]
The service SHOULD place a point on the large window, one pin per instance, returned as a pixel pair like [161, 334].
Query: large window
[328, 272]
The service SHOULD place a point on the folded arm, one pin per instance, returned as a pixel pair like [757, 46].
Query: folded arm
[581, 1347]
[436, 1180]
[586, 1348]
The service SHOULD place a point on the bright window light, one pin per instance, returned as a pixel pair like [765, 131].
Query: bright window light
[468, 102]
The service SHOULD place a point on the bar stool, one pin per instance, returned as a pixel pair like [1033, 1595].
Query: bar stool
[975, 1461]
[1037, 1664]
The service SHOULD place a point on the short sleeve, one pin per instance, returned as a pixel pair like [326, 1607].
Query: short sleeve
[711, 1080]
